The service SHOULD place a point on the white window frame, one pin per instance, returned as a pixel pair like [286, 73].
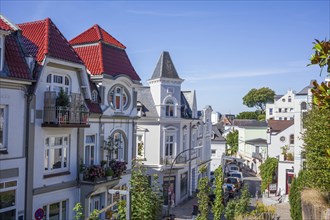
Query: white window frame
[4, 127]
[56, 86]
[122, 94]
[3, 188]
[88, 151]
[60, 210]
[121, 146]
[47, 149]
[2, 50]
[170, 132]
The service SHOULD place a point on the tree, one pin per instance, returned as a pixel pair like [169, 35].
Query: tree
[238, 207]
[232, 141]
[145, 198]
[218, 207]
[267, 172]
[295, 197]
[247, 115]
[203, 196]
[258, 98]
[317, 149]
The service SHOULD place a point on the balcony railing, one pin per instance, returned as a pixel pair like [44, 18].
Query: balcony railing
[74, 115]
[167, 161]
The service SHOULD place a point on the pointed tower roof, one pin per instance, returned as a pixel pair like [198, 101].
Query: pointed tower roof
[103, 54]
[96, 34]
[165, 67]
[43, 38]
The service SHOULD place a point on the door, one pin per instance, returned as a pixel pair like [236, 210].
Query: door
[169, 190]
[289, 178]
[95, 203]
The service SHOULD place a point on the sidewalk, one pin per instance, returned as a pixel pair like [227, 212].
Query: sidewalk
[185, 209]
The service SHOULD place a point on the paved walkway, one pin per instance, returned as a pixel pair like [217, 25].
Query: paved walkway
[283, 211]
[185, 209]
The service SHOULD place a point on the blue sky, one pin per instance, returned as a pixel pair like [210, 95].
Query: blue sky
[221, 48]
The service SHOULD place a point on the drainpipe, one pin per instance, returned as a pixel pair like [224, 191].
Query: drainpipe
[28, 97]
[189, 165]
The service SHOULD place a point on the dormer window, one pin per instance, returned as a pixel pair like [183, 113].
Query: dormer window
[58, 82]
[169, 108]
[118, 98]
[2, 51]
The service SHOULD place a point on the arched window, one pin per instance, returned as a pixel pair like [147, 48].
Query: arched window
[292, 139]
[303, 106]
[58, 82]
[94, 96]
[117, 146]
[169, 108]
[118, 98]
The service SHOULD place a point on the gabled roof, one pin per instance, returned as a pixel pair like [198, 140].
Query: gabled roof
[15, 63]
[217, 133]
[7, 25]
[165, 68]
[249, 123]
[43, 38]
[304, 91]
[144, 96]
[96, 34]
[103, 54]
[279, 125]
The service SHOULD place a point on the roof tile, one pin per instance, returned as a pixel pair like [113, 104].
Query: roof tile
[96, 34]
[43, 38]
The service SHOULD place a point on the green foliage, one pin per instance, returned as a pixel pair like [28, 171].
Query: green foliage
[218, 207]
[247, 115]
[295, 198]
[230, 209]
[121, 210]
[79, 211]
[258, 98]
[62, 99]
[317, 149]
[262, 117]
[262, 212]
[145, 199]
[321, 55]
[267, 172]
[238, 207]
[232, 141]
[94, 215]
[321, 95]
[203, 198]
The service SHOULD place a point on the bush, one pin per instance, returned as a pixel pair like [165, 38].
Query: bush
[295, 198]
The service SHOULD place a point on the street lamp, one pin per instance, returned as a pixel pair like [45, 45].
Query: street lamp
[169, 176]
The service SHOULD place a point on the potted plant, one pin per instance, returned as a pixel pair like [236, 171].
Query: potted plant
[109, 173]
[94, 173]
[62, 102]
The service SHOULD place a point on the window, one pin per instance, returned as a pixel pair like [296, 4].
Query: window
[3, 127]
[140, 145]
[2, 43]
[8, 199]
[94, 96]
[283, 100]
[56, 153]
[56, 211]
[169, 108]
[279, 110]
[118, 150]
[291, 109]
[285, 118]
[303, 106]
[184, 184]
[90, 150]
[280, 118]
[282, 138]
[289, 99]
[292, 139]
[58, 82]
[213, 153]
[118, 98]
[169, 144]
[270, 111]
[285, 110]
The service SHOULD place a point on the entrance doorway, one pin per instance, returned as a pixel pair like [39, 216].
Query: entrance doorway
[289, 178]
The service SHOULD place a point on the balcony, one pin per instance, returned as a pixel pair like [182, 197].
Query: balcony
[75, 114]
[167, 161]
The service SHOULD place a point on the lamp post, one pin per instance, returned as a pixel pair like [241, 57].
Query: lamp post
[169, 176]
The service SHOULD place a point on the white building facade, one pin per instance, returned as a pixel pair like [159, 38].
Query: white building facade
[282, 108]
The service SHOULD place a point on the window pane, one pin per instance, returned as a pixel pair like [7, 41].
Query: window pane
[46, 159]
[9, 215]
[45, 212]
[7, 199]
[63, 210]
[55, 158]
[58, 141]
[54, 211]
[10, 184]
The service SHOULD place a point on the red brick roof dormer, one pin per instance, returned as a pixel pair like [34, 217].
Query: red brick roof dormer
[102, 55]
[43, 38]
[96, 34]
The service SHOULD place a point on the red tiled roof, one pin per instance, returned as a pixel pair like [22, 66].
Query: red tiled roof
[5, 26]
[93, 107]
[96, 34]
[279, 125]
[15, 59]
[43, 38]
[106, 59]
